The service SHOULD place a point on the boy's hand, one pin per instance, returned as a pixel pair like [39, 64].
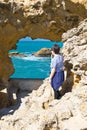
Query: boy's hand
[49, 80]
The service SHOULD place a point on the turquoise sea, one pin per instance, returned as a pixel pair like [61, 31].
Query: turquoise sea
[31, 66]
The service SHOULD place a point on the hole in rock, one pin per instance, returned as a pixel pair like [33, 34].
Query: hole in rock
[28, 65]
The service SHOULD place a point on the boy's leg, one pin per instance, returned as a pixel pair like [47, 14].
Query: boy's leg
[57, 94]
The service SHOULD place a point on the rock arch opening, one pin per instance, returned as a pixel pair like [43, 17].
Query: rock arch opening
[31, 59]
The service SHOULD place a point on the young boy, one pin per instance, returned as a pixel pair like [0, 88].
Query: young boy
[57, 74]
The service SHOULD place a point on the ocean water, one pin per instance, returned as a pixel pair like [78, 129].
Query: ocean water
[31, 66]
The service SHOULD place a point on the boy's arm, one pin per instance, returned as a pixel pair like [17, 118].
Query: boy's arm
[52, 73]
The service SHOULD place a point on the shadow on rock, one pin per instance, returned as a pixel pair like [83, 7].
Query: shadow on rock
[69, 79]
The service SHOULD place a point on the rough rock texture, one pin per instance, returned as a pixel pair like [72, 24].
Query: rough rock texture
[83, 2]
[34, 18]
[38, 111]
[75, 52]
[46, 19]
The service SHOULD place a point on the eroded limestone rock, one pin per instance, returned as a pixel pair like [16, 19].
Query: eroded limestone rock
[44, 19]
[75, 52]
[29, 113]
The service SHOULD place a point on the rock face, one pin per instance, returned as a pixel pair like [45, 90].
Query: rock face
[35, 18]
[38, 111]
[75, 52]
[83, 2]
[46, 19]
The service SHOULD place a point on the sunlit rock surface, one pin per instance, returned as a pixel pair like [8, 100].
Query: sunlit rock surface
[75, 52]
[38, 111]
[83, 2]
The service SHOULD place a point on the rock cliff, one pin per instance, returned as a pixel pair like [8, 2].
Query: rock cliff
[38, 110]
[44, 19]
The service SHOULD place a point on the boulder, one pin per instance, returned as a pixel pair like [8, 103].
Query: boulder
[44, 52]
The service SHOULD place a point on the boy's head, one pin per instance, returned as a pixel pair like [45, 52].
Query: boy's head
[55, 49]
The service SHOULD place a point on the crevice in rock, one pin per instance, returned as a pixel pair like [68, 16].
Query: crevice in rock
[69, 79]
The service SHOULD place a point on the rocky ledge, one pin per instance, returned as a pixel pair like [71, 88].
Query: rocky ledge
[38, 111]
